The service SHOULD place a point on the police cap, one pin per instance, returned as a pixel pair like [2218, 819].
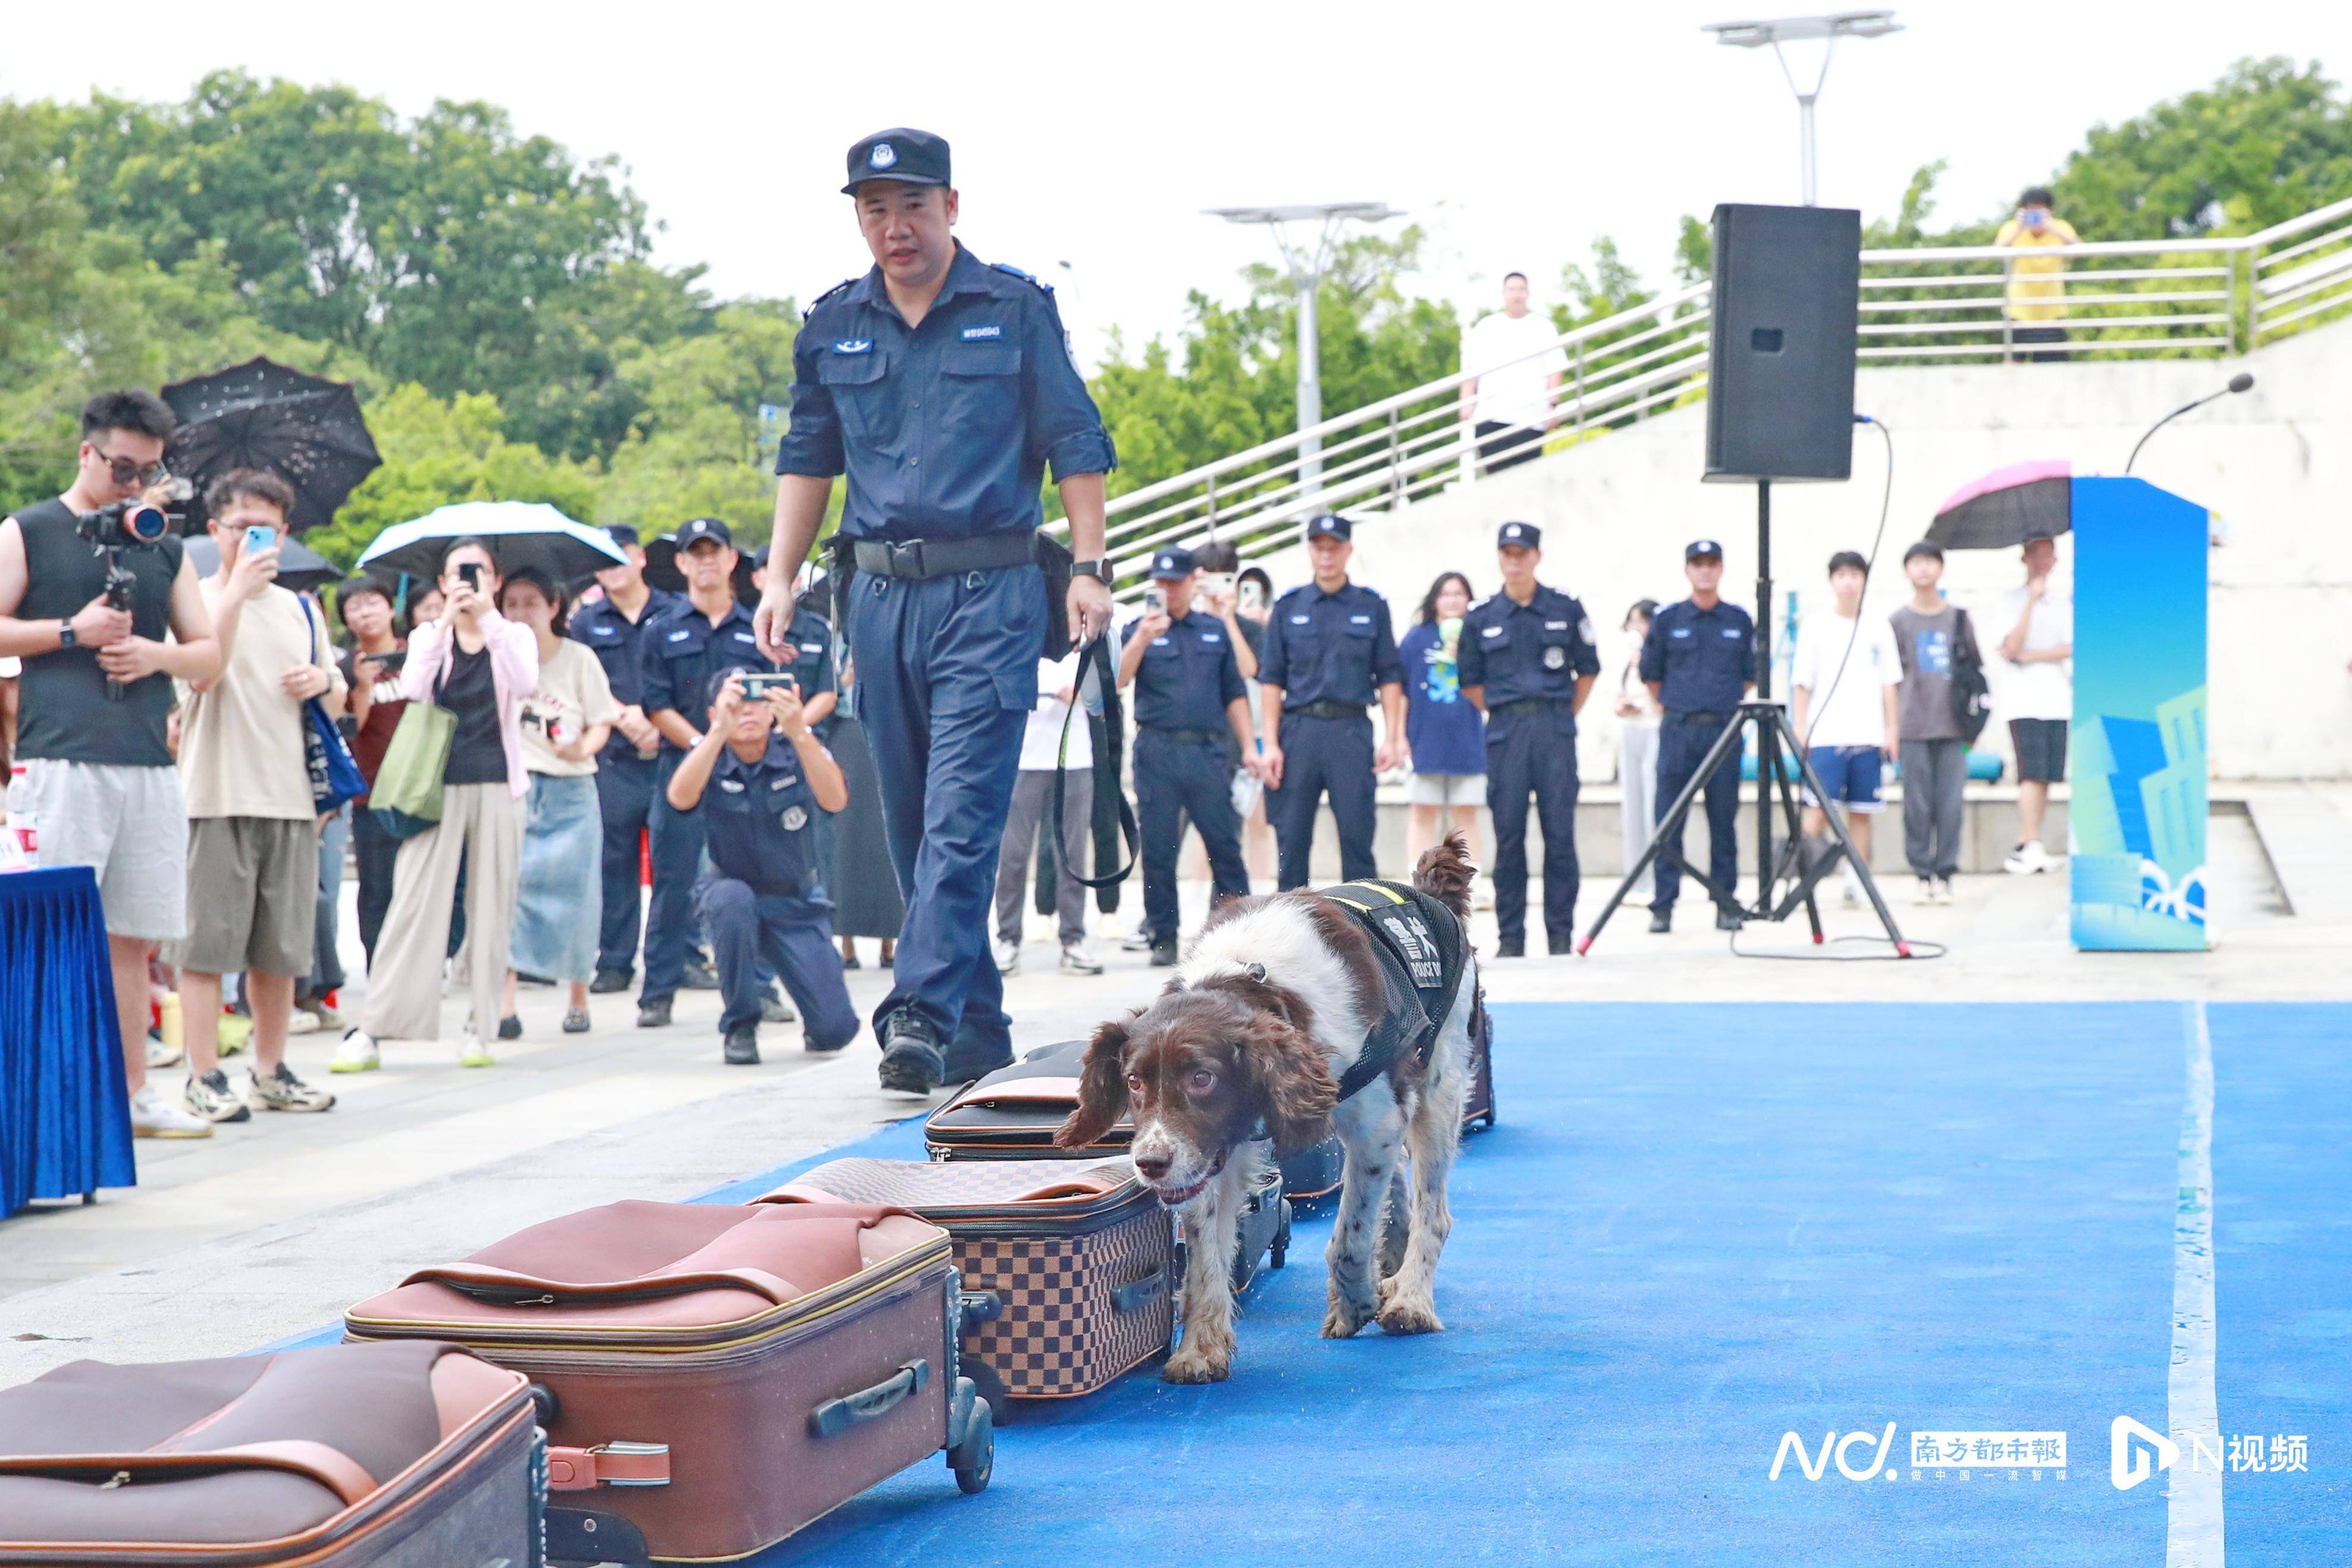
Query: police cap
[620, 532]
[703, 527]
[910, 157]
[1526, 535]
[1173, 561]
[1700, 549]
[1330, 525]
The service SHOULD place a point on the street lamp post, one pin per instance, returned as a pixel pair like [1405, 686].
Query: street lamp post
[1306, 267]
[1829, 28]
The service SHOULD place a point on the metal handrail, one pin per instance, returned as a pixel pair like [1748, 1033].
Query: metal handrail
[1970, 304]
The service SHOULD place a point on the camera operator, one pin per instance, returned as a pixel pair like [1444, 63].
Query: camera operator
[97, 695]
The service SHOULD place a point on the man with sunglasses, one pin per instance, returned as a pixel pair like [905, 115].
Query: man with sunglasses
[97, 695]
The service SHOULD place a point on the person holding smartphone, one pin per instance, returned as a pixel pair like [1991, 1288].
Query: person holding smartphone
[479, 665]
[2037, 283]
[757, 778]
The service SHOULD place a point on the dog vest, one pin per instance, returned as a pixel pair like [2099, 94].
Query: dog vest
[1422, 952]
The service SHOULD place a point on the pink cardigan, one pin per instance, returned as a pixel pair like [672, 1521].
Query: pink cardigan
[514, 674]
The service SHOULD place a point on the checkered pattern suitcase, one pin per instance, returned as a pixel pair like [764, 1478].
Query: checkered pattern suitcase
[1067, 1265]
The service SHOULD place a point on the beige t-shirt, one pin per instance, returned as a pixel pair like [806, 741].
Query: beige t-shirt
[241, 744]
[572, 694]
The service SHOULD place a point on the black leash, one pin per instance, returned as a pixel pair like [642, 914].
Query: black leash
[1097, 654]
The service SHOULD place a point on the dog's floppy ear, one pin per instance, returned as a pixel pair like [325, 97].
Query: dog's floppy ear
[1102, 1087]
[1291, 1083]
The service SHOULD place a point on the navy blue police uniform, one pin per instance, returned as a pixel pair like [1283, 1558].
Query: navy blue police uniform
[764, 903]
[944, 431]
[1531, 659]
[683, 649]
[1703, 660]
[1185, 753]
[1330, 653]
[624, 781]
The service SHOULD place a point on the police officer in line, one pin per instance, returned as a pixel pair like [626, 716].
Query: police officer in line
[613, 628]
[1527, 660]
[1192, 732]
[759, 782]
[1329, 653]
[941, 387]
[1698, 661]
[686, 644]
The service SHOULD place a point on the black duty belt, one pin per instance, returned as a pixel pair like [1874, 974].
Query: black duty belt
[1698, 716]
[1535, 705]
[1325, 710]
[922, 559]
[1191, 737]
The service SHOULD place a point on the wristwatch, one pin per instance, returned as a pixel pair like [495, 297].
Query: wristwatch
[66, 635]
[1098, 570]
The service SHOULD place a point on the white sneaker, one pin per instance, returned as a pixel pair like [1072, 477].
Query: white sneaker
[2027, 859]
[472, 1053]
[1078, 958]
[1137, 941]
[356, 1053]
[279, 1089]
[153, 1117]
[1944, 890]
[160, 1054]
[299, 1022]
[1008, 956]
[1924, 891]
[1849, 895]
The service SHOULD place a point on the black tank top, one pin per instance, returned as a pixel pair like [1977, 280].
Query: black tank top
[65, 713]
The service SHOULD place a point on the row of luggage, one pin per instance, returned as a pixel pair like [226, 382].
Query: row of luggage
[642, 1381]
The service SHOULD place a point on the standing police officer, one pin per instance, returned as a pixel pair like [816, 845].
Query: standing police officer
[941, 387]
[686, 645]
[1698, 661]
[1527, 660]
[1329, 651]
[613, 628]
[1192, 730]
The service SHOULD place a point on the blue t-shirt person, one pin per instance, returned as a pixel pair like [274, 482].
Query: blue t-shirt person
[1447, 733]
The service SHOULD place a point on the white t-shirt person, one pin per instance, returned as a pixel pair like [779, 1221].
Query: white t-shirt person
[2045, 688]
[1513, 389]
[1854, 713]
[1041, 740]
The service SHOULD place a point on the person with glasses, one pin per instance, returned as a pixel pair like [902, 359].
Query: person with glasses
[97, 700]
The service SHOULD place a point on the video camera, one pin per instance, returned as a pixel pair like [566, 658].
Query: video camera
[123, 525]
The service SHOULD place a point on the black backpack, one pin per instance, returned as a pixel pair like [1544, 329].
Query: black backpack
[1971, 692]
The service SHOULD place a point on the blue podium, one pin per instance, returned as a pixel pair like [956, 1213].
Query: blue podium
[65, 1115]
[2138, 744]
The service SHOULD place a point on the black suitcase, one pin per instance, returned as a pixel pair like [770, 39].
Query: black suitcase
[1478, 1103]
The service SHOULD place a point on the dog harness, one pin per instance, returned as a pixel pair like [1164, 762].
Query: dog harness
[1422, 952]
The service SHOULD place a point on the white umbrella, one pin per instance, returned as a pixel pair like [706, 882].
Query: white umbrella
[522, 534]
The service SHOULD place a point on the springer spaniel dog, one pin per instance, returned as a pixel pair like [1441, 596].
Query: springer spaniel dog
[1276, 1026]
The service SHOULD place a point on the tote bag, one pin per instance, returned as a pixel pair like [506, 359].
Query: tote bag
[335, 775]
[406, 799]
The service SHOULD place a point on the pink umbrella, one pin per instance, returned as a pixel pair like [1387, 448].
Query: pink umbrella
[2006, 507]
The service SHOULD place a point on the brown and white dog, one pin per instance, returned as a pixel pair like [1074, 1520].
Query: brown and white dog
[1265, 1013]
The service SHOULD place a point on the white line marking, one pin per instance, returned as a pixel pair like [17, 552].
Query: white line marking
[2192, 1531]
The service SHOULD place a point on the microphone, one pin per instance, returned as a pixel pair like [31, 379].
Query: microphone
[2242, 382]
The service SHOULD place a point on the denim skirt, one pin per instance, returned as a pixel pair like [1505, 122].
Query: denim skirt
[559, 898]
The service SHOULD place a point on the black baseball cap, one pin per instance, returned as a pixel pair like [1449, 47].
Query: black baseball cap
[909, 156]
[1699, 549]
[1330, 525]
[703, 527]
[1526, 535]
[1173, 561]
[620, 532]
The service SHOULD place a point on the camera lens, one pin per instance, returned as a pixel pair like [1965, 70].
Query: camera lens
[146, 524]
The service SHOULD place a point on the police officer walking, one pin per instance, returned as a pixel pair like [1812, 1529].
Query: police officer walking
[613, 628]
[1698, 661]
[1527, 660]
[1330, 652]
[686, 644]
[1192, 731]
[942, 387]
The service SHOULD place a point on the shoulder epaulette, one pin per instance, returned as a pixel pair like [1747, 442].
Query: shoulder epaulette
[828, 294]
[1009, 269]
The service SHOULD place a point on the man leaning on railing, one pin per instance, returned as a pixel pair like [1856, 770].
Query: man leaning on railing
[2037, 286]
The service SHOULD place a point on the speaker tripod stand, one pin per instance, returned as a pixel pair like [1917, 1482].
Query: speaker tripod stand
[1799, 863]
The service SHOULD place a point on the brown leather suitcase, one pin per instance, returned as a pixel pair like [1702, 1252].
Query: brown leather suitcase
[397, 1456]
[1068, 1265]
[718, 1376]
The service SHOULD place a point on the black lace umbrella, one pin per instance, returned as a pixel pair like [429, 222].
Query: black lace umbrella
[262, 415]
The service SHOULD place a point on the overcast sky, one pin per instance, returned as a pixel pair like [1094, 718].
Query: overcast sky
[1089, 137]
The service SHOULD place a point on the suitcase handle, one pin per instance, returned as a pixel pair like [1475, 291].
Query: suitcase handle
[835, 1416]
[505, 1288]
[1140, 1292]
[329, 1467]
[607, 1465]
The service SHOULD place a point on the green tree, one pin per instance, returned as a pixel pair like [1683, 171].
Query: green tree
[694, 448]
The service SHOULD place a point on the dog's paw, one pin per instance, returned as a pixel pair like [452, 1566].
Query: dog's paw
[1188, 1365]
[1407, 1314]
[1343, 1319]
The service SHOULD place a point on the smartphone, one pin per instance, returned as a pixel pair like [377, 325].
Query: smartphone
[757, 684]
[1253, 595]
[259, 536]
[470, 574]
[1155, 601]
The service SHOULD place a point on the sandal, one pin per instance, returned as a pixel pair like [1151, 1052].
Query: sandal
[575, 1021]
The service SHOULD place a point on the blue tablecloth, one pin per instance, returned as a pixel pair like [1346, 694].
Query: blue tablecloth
[65, 1115]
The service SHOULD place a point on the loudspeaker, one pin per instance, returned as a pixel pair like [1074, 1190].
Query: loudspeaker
[1779, 392]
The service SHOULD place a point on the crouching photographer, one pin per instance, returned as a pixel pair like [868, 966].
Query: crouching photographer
[91, 584]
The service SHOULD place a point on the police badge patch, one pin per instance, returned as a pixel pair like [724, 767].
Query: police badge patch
[795, 818]
[883, 156]
[1555, 658]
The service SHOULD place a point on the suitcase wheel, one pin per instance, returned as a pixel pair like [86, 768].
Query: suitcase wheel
[1280, 1251]
[974, 1457]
